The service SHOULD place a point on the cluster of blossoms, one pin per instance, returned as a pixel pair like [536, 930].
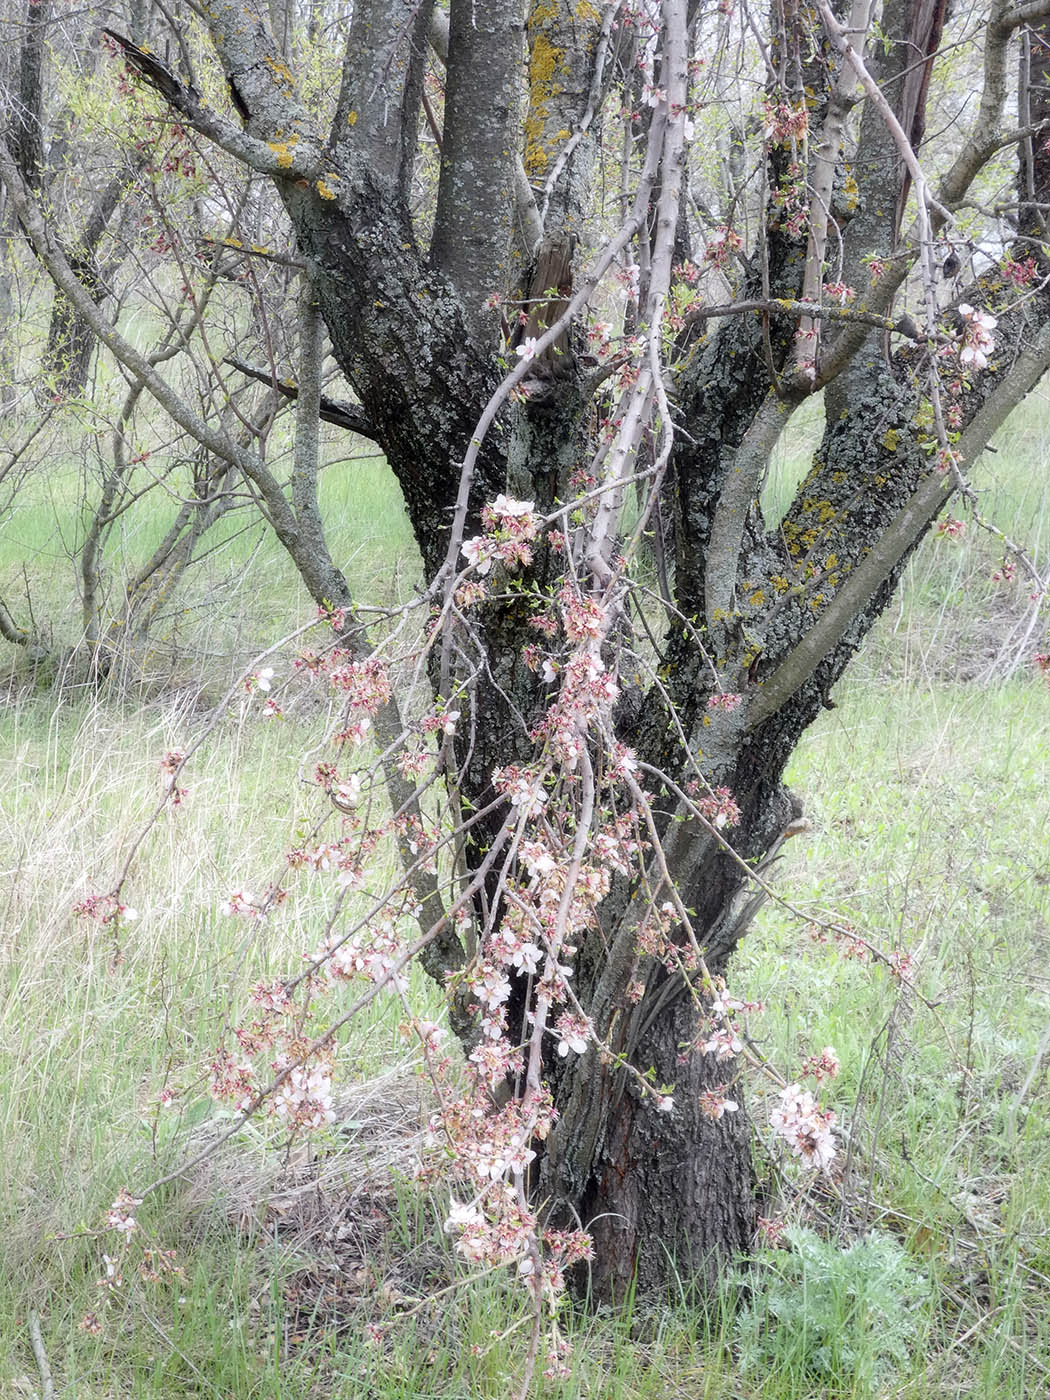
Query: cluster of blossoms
[367, 687]
[304, 1098]
[1022, 272]
[771, 1230]
[121, 1215]
[334, 617]
[722, 1034]
[170, 764]
[849, 946]
[902, 965]
[977, 339]
[375, 954]
[953, 529]
[240, 903]
[783, 123]
[587, 691]
[715, 1103]
[725, 242]
[599, 338]
[822, 1066]
[719, 807]
[876, 268]
[726, 701]
[510, 528]
[262, 679]
[489, 1151]
[105, 909]
[791, 198]
[804, 1126]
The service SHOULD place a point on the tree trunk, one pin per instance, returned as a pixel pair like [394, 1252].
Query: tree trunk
[665, 1196]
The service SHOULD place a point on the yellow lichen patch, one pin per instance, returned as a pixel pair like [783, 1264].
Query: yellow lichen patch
[585, 11]
[543, 12]
[233, 243]
[280, 70]
[889, 440]
[351, 119]
[324, 189]
[283, 150]
[535, 158]
[780, 583]
[545, 62]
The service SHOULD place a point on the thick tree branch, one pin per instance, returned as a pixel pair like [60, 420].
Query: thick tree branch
[290, 154]
[338, 412]
[474, 219]
[377, 116]
[530, 225]
[984, 140]
[826, 161]
[878, 564]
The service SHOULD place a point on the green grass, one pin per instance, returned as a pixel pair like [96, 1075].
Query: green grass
[241, 590]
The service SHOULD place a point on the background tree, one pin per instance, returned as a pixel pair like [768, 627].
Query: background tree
[639, 706]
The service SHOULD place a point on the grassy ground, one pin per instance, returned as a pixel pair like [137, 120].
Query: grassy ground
[927, 790]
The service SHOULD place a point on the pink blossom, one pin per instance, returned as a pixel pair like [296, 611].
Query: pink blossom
[977, 342]
[573, 1032]
[728, 702]
[714, 1104]
[240, 902]
[806, 1127]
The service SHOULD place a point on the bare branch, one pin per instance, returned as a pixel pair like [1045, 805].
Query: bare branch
[338, 412]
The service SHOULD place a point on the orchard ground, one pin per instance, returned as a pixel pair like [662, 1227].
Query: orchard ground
[320, 1269]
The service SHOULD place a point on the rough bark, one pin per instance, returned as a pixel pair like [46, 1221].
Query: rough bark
[475, 206]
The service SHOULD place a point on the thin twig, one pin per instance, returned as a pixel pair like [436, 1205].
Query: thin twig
[36, 1341]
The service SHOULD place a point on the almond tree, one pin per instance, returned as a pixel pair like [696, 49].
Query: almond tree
[825, 253]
